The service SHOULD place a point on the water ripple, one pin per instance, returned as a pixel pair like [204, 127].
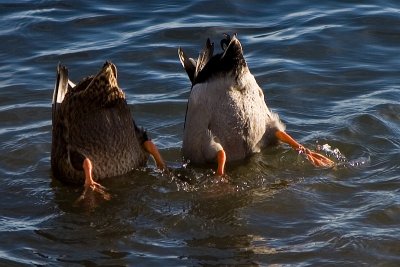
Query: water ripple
[329, 69]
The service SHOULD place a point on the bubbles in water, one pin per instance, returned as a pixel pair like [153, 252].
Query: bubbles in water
[358, 162]
[343, 161]
[185, 163]
[332, 152]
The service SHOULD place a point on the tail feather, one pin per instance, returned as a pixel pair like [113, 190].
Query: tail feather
[60, 88]
[188, 64]
[192, 66]
[204, 56]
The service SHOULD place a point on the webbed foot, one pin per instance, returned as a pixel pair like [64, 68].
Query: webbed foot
[315, 158]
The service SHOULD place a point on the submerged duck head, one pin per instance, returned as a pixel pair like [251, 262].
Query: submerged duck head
[228, 64]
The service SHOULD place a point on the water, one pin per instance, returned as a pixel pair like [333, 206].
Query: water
[330, 69]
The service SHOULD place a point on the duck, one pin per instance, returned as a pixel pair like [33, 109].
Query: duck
[227, 118]
[94, 135]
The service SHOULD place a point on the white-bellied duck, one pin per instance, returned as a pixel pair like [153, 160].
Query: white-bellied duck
[227, 118]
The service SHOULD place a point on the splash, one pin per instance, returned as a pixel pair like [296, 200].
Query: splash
[341, 158]
[332, 152]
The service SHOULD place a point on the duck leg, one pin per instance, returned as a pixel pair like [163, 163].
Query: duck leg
[315, 158]
[151, 148]
[90, 185]
[213, 151]
[221, 159]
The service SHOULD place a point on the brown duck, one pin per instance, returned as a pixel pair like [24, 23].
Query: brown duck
[94, 135]
[227, 118]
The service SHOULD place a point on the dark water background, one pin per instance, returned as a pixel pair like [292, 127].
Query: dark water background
[331, 69]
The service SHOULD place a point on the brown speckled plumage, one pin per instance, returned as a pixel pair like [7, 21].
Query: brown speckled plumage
[93, 120]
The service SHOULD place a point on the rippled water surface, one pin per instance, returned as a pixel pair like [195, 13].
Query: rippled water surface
[330, 69]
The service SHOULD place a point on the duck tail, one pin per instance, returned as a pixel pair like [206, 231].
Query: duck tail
[192, 66]
[60, 88]
[189, 64]
[204, 56]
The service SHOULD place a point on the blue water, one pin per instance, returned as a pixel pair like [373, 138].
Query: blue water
[331, 69]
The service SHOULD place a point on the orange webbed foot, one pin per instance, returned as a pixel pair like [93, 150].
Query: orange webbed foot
[90, 185]
[98, 188]
[315, 158]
